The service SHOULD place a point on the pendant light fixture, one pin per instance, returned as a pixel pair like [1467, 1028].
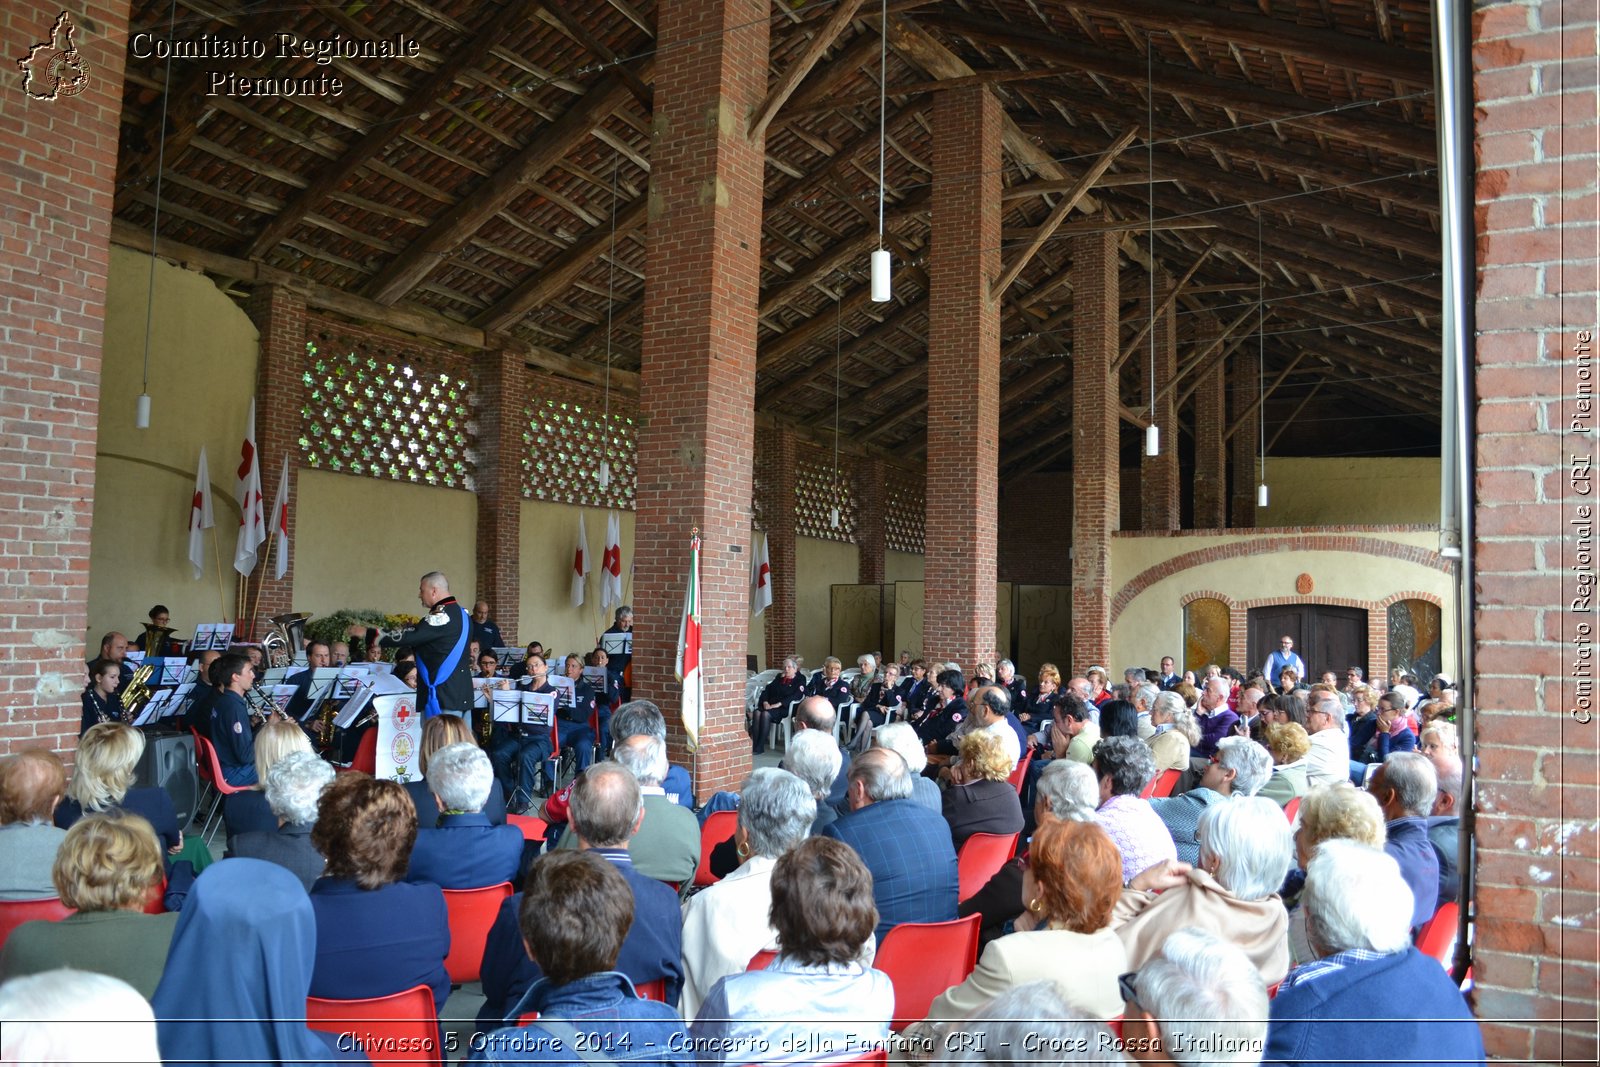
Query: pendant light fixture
[603, 476]
[838, 341]
[881, 289]
[141, 408]
[1261, 362]
[1152, 433]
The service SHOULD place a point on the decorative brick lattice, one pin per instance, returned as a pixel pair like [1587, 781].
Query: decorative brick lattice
[905, 514]
[566, 438]
[374, 412]
[817, 491]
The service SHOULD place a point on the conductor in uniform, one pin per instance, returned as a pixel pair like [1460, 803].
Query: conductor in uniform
[439, 641]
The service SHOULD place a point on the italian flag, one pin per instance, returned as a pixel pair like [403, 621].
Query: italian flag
[689, 650]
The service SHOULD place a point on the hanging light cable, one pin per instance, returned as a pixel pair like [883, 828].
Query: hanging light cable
[881, 289]
[1152, 433]
[604, 475]
[1261, 363]
[838, 340]
[141, 410]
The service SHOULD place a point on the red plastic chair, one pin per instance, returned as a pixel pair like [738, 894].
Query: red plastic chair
[1161, 785]
[719, 826]
[13, 913]
[533, 828]
[157, 902]
[761, 960]
[365, 758]
[400, 1028]
[210, 770]
[925, 959]
[1115, 1026]
[981, 856]
[472, 913]
[656, 990]
[1291, 809]
[1437, 938]
[1019, 774]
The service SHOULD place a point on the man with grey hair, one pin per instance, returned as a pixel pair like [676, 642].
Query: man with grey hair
[466, 850]
[606, 810]
[293, 787]
[1367, 974]
[1239, 767]
[1144, 701]
[1444, 824]
[1328, 760]
[1198, 1001]
[444, 670]
[666, 846]
[1405, 786]
[1029, 1023]
[901, 737]
[815, 759]
[905, 846]
[1216, 718]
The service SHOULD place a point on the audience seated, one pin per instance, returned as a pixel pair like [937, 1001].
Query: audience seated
[375, 934]
[606, 809]
[1328, 759]
[1238, 767]
[107, 869]
[1215, 718]
[1445, 823]
[906, 847]
[240, 968]
[1288, 742]
[70, 1016]
[981, 799]
[437, 732]
[1327, 813]
[1405, 786]
[31, 785]
[248, 811]
[1124, 766]
[1438, 738]
[1198, 1000]
[466, 850]
[667, 844]
[1074, 731]
[727, 923]
[1244, 853]
[1072, 882]
[814, 757]
[823, 913]
[629, 720]
[1366, 974]
[294, 787]
[1175, 732]
[900, 737]
[102, 774]
[772, 705]
[1030, 1024]
[577, 910]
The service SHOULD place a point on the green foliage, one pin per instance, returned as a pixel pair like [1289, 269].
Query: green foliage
[336, 627]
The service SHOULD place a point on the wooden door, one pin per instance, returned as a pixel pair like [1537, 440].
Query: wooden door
[1327, 638]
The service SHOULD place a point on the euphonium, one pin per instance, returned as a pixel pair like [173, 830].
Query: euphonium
[137, 693]
[286, 638]
[156, 639]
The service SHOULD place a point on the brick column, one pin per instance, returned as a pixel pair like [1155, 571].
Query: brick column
[872, 497]
[1534, 515]
[502, 387]
[1246, 442]
[280, 315]
[1210, 453]
[963, 378]
[1095, 464]
[697, 377]
[1158, 495]
[56, 203]
[776, 458]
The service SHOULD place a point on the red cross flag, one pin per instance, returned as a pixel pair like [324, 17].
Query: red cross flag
[580, 563]
[199, 514]
[760, 576]
[611, 564]
[252, 518]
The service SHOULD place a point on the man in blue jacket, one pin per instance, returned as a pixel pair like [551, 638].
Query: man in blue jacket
[1405, 787]
[1369, 996]
[465, 850]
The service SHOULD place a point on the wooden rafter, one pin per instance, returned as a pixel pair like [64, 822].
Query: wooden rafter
[1161, 309]
[791, 78]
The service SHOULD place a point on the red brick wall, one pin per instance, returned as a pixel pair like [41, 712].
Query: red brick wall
[1210, 454]
[280, 316]
[963, 378]
[55, 200]
[698, 364]
[872, 498]
[776, 458]
[1538, 912]
[1158, 488]
[1095, 473]
[502, 391]
[1245, 444]
[1036, 529]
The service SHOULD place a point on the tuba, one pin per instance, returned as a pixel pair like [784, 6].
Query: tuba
[156, 639]
[137, 693]
[285, 639]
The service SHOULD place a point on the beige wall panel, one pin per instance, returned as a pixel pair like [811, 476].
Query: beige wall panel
[203, 352]
[855, 625]
[549, 535]
[1351, 491]
[819, 565]
[902, 566]
[1044, 627]
[908, 617]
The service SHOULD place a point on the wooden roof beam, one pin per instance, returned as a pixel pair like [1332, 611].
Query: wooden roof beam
[544, 151]
[1171, 298]
[791, 78]
[558, 274]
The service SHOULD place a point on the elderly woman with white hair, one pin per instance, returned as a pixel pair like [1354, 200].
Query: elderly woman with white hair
[1175, 732]
[902, 737]
[1197, 984]
[465, 850]
[1238, 768]
[728, 923]
[71, 1016]
[1366, 973]
[1245, 851]
[294, 785]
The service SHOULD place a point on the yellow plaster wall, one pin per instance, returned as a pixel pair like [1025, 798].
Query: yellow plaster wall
[819, 565]
[902, 566]
[1367, 490]
[364, 542]
[203, 352]
[549, 535]
[1151, 626]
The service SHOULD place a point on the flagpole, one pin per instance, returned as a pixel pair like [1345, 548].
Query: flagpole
[222, 598]
[262, 562]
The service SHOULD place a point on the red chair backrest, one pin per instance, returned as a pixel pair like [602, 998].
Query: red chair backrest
[156, 904]
[210, 767]
[1019, 773]
[366, 754]
[1161, 785]
[1437, 938]
[533, 828]
[719, 826]
[980, 857]
[1291, 809]
[761, 960]
[13, 913]
[655, 990]
[925, 959]
[1115, 1026]
[400, 1028]
[472, 913]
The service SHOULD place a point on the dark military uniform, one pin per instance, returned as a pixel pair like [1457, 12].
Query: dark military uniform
[432, 640]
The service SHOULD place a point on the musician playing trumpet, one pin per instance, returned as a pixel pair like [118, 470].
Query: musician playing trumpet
[231, 731]
[100, 700]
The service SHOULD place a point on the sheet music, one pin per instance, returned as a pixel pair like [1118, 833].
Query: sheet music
[567, 692]
[617, 644]
[273, 676]
[520, 706]
[509, 657]
[596, 677]
[282, 694]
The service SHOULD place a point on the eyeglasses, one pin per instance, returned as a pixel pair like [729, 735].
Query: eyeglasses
[1125, 986]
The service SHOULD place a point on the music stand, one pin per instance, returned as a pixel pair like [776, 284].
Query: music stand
[617, 644]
